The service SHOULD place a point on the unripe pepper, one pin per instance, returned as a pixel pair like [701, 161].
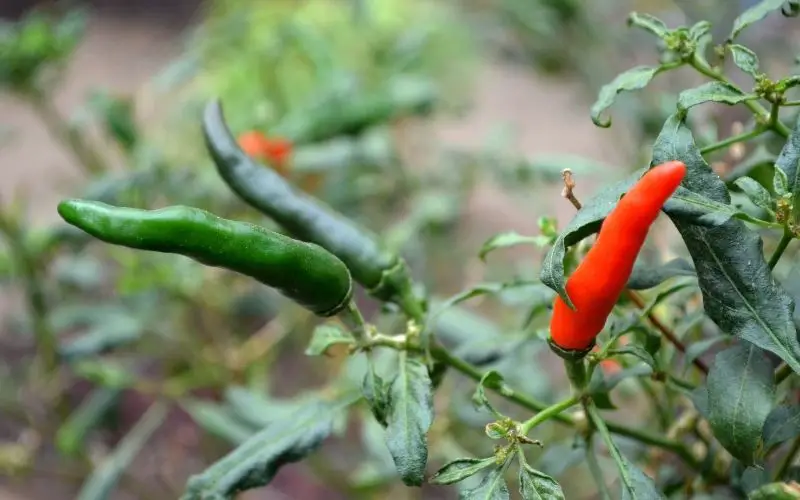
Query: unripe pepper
[303, 272]
[383, 273]
[601, 277]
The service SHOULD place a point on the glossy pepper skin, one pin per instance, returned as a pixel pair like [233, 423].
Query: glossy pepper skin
[303, 272]
[601, 277]
[381, 272]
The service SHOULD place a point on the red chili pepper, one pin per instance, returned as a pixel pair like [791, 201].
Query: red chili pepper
[274, 150]
[599, 280]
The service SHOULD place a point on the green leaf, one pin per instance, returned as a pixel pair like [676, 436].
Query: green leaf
[257, 410]
[712, 92]
[218, 420]
[637, 351]
[744, 58]
[741, 390]
[789, 158]
[636, 485]
[782, 424]
[376, 392]
[255, 463]
[491, 380]
[586, 222]
[755, 192]
[780, 182]
[633, 79]
[71, 434]
[776, 491]
[535, 485]
[510, 239]
[477, 291]
[699, 210]
[460, 469]
[752, 15]
[699, 30]
[697, 349]
[409, 417]
[105, 477]
[739, 292]
[492, 487]
[644, 277]
[648, 23]
[325, 336]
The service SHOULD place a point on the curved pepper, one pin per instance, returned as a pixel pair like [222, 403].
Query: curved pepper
[601, 277]
[383, 273]
[304, 272]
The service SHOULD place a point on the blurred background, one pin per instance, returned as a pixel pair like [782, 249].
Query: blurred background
[473, 108]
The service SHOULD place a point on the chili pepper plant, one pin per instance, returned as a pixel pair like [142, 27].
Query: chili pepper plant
[708, 339]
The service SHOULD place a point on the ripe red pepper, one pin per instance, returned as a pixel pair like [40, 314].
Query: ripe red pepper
[274, 150]
[599, 280]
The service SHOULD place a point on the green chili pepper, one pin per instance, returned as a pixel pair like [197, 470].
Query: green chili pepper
[383, 273]
[304, 272]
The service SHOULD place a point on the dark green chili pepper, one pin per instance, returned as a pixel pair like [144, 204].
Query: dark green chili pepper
[304, 272]
[383, 273]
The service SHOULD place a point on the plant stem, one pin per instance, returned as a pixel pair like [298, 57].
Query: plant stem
[774, 114]
[546, 414]
[88, 158]
[597, 472]
[756, 108]
[664, 330]
[788, 459]
[355, 320]
[776, 256]
[576, 372]
[443, 355]
[744, 136]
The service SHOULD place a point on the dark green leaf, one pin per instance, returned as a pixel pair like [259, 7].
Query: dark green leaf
[492, 487]
[633, 79]
[510, 239]
[256, 461]
[644, 277]
[648, 23]
[712, 92]
[586, 222]
[745, 59]
[753, 478]
[101, 483]
[741, 389]
[409, 417]
[739, 293]
[636, 485]
[754, 14]
[325, 336]
[697, 349]
[535, 485]
[218, 420]
[780, 182]
[638, 351]
[782, 424]
[755, 192]
[460, 469]
[787, 163]
[698, 210]
[376, 393]
[491, 380]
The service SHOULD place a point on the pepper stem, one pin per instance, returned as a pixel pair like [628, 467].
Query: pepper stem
[576, 371]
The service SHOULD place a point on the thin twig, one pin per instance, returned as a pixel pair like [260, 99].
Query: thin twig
[569, 186]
